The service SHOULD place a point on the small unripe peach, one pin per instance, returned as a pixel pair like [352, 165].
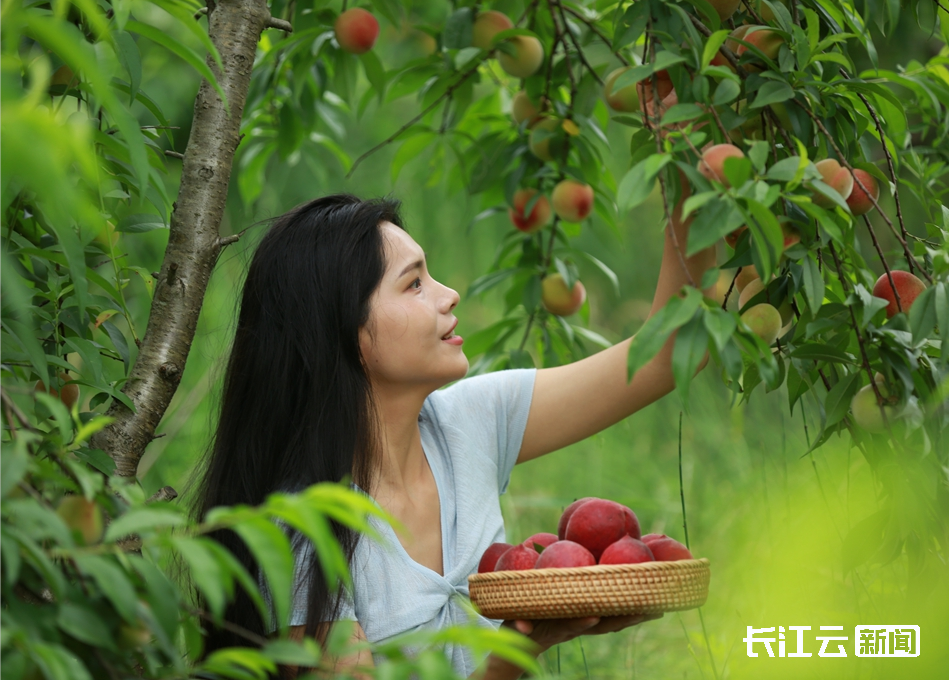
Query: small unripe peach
[486, 26]
[712, 163]
[747, 274]
[625, 99]
[558, 299]
[764, 320]
[858, 201]
[527, 58]
[83, 516]
[538, 216]
[551, 145]
[522, 108]
[908, 286]
[356, 30]
[866, 408]
[572, 200]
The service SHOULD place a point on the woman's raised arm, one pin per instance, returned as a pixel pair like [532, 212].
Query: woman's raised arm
[574, 401]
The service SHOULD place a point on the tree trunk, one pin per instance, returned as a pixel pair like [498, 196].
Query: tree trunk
[194, 241]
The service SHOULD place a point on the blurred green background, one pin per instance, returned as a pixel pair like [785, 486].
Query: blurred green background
[771, 521]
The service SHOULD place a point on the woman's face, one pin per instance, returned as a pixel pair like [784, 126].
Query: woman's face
[410, 314]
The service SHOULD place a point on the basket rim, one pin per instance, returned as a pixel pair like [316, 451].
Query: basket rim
[701, 563]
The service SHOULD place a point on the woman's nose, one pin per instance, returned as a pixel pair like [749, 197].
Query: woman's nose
[451, 295]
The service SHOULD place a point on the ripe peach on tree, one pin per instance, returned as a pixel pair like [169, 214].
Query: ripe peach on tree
[538, 214]
[859, 200]
[907, 286]
[573, 200]
[356, 30]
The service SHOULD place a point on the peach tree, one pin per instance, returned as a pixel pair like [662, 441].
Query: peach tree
[775, 128]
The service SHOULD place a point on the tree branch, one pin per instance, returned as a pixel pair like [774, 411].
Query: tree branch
[193, 246]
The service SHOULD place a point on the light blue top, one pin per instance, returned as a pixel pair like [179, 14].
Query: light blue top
[471, 434]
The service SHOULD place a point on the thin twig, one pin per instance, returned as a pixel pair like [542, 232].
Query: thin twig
[889, 163]
[731, 287]
[886, 267]
[589, 24]
[174, 154]
[860, 343]
[576, 44]
[166, 493]
[843, 159]
[391, 138]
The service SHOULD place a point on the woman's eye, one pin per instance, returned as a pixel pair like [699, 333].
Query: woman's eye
[418, 281]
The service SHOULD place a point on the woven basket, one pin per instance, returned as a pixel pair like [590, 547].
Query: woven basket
[601, 590]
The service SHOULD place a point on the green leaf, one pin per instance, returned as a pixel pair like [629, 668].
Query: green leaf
[206, 572]
[647, 342]
[112, 581]
[187, 54]
[681, 112]
[85, 625]
[271, 549]
[772, 92]
[28, 344]
[637, 184]
[727, 91]
[813, 283]
[490, 280]
[690, 346]
[139, 224]
[837, 403]
[814, 351]
[716, 40]
[143, 518]
[720, 325]
[458, 29]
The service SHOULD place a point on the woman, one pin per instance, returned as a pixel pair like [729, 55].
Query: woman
[342, 343]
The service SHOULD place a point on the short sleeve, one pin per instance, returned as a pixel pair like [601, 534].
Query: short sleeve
[492, 410]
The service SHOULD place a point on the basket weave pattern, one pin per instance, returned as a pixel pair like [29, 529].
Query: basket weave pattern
[601, 590]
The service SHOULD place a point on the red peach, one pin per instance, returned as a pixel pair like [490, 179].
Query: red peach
[596, 524]
[491, 556]
[567, 513]
[518, 558]
[648, 538]
[565, 554]
[627, 550]
[669, 550]
[907, 285]
[543, 539]
[572, 200]
[632, 523]
[858, 201]
[539, 214]
[356, 30]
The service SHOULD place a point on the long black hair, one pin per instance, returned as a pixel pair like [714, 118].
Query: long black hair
[297, 407]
